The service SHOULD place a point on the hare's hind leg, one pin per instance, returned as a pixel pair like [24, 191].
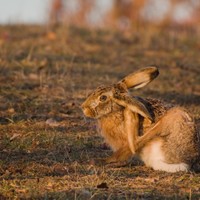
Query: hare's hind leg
[132, 128]
[153, 156]
[135, 142]
[179, 147]
[167, 145]
[176, 123]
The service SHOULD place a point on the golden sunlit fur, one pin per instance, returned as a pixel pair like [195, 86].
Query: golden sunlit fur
[163, 136]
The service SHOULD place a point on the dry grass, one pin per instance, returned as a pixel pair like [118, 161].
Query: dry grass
[46, 144]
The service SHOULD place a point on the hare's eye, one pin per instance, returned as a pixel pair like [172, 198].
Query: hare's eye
[103, 98]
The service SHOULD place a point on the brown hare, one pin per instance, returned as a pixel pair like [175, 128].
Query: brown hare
[162, 136]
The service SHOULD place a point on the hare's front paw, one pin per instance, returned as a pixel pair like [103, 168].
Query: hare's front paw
[118, 159]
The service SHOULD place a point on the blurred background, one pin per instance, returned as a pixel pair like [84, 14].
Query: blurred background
[121, 14]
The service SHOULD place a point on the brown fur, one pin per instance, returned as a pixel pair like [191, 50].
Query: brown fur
[130, 124]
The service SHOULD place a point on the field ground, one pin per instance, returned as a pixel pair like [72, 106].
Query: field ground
[45, 142]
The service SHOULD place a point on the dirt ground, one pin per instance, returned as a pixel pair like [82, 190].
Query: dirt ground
[46, 144]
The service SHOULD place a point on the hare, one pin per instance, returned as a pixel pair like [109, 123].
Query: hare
[164, 137]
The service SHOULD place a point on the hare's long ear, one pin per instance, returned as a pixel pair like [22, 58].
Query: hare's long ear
[133, 104]
[140, 78]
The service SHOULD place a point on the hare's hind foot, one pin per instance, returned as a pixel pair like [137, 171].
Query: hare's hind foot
[162, 166]
[154, 157]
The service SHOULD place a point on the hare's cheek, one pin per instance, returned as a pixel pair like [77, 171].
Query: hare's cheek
[103, 109]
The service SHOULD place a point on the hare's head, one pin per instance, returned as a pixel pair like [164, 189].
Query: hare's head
[109, 99]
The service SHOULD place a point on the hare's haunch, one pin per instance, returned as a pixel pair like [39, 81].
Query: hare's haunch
[164, 137]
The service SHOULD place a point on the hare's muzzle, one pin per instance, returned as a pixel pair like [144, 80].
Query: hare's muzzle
[88, 112]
